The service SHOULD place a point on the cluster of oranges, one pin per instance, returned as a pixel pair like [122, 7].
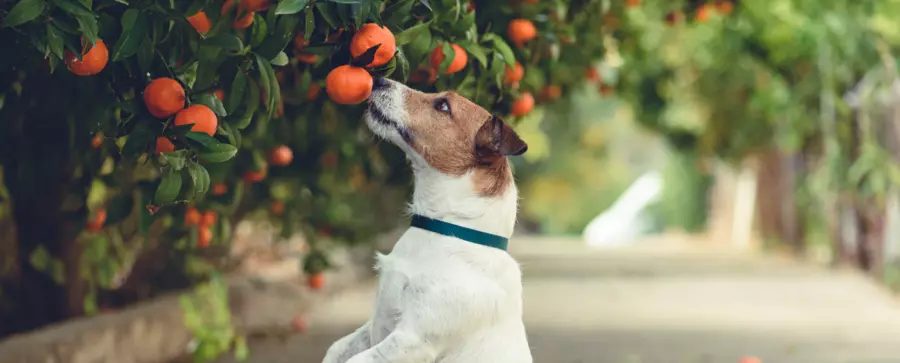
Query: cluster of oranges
[165, 97]
[204, 221]
[349, 84]
[246, 11]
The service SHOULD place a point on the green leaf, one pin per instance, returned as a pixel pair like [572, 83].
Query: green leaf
[236, 92]
[347, 1]
[199, 178]
[411, 33]
[268, 84]
[75, 8]
[145, 54]
[134, 28]
[252, 104]
[398, 13]
[119, 208]
[287, 7]
[202, 139]
[175, 159]
[328, 14]
[214, 103]
[402, 65]
[281, 59]
[218, 153]
[500, 46]
[225, 41]
[476, 51]
[89, 27]
[168, 187]
[23, 12]
[309, 25]
[55, 41]
[258, 31]
[449, 56]
[278, 38]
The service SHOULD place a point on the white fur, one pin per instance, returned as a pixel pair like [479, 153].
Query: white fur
[441, 299]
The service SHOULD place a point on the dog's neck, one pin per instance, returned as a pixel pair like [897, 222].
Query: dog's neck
[456, 199]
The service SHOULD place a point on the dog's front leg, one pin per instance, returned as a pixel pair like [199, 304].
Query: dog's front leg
[350, 345]
[401, 346]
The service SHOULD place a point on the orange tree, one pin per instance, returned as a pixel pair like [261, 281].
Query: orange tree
[135, 135]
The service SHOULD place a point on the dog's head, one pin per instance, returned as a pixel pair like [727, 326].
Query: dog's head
[443, 131]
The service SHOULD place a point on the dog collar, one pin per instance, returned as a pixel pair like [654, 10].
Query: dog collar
[463, 233]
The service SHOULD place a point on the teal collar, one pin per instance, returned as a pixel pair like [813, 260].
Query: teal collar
[463, 233]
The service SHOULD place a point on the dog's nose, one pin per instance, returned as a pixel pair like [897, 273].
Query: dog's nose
[379, 83]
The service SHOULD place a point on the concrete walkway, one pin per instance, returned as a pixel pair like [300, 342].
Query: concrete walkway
[664, 302]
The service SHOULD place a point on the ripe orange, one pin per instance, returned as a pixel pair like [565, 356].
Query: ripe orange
[514, 74]
[255, 5]
[220, 94]
[243, 19]
[724, 7]
[313, 92]
[348, 85]
[551, 92]
[97, 140]
[200, 22]
[164, 145]
[702, 13]
[219, 189]
[521, 31]
[316, 281]
[370, 35]
[522, 105]
[277, 207]
[96, 224]
[460, 59]
[333, 37]
[281, 156]
[256, 176]
[192, 216]
[307, 57]
[202, 117]
[204, 237]
[164, 97]
[591, 74]
[91, 62]
[633, 3]
[209, 218]
[300, 41]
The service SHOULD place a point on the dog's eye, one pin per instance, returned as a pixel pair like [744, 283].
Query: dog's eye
[442, 106]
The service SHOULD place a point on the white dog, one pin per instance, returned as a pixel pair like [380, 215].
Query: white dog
[449, 292]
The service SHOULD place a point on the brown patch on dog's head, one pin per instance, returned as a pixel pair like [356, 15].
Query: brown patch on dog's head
[455, 135]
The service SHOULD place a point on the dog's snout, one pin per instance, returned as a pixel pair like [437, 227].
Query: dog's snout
[380, 83]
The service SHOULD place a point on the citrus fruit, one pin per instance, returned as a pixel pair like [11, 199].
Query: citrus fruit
[370, 35]
[515, 73]
[591, 74]
[219, 189]
[203, 119]
[307, 57]
[348, 85]
[200, 22]
[164, 145]
[277, 207]
[316, 281]
[702, 13]
[192, 216]
[633, 3]
[281, 156]
[724, 7]
[333, 37]
[551, 92]
[209, 218]
[204, 236]
[243, 18]
[522, 105]
[521, 31]
[92, 62]
[313, 92]
[97, 140]
[220, 94]
[460, 58]
[300, 41]
[674, 17]
[96, 223]
[255, 5]
[606, 90]
[164, 97]
[255, 176]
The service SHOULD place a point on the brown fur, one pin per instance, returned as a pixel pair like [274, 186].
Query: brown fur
[465, 139]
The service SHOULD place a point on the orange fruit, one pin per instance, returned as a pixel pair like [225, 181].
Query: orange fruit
[316, 281]
[300, 41]
[460, 58]
[522, 105]
[551, 92]
[220, 94]
[97, 140]
[164, 145]
[203, 119]
[307, 57]
[96, 224]
[209, 218]
[348, 85]
[370, 35]
[702, 13]
[277, 207]
[633, 3]
[204, 237]
[91, 62]
[200, 22]
[192, 216]
[243, 19]
[333, 37]
[591, 74]
[606, 90]
[219, 189]
[255, 5]
[724, 7]
[256, 176]
[281, 156]
[471, 5]
[313, 92]
[164, 97]
[514, 74]
[521, 31]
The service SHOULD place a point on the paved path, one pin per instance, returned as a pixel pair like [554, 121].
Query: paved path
[664, 303]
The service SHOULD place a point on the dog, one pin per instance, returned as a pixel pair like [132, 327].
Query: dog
[448, 292]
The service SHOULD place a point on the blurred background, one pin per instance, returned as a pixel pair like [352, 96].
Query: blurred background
[706, 180]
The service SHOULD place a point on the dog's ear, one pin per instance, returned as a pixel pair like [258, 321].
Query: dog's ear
[495, 139]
